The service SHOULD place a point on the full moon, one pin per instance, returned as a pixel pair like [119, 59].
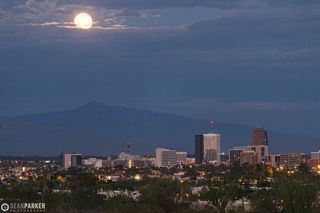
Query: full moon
[83, 21]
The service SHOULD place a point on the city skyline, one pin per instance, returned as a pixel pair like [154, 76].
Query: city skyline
[167, 106]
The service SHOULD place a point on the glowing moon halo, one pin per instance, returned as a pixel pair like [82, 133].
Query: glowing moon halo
[83, 21]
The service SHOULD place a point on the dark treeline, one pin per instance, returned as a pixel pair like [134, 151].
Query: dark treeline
[296, 192]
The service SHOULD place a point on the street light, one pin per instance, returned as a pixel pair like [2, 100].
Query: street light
[137, 177]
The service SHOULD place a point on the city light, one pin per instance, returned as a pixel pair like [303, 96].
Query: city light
[137, 177]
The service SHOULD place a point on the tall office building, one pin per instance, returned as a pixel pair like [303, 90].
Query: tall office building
[207, 148]
[199, 149]
[259, 143]
[259, 137]
[165, 157]
[72, 159]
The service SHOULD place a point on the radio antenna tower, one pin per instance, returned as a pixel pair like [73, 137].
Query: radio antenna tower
[129, 148]
[211, 126]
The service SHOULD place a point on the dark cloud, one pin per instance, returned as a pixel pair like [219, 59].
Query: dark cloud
[156, 4]
[130, 13]
[223, 4]
[39, 11]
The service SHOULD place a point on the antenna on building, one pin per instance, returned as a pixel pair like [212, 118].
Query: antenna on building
[129, 148]
[211, 125]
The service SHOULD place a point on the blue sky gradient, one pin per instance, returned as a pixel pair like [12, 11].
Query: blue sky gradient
[243, 61]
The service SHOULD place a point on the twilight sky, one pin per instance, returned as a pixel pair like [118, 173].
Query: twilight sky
[243, 61]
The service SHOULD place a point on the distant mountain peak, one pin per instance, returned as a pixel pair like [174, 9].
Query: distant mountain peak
[92, 105]
[116, 126]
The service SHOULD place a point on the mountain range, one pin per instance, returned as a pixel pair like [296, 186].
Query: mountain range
[100, 129]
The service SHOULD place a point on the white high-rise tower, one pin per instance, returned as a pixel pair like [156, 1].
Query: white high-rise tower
[211, 148]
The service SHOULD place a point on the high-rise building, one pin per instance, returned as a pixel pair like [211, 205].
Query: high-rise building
[259, 143]
[72, 159]
[199, 149]
[165, 157]
[182, 157]
[207, 148]
[259, 136]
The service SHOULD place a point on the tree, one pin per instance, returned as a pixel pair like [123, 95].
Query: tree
[263, 201]
[84, 191]
[219, 194]
[160, 196]
[297, 196]
[304, 169]
[120, 204]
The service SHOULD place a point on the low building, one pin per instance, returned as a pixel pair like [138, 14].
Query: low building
[190, 161]
[72, 159]
[291, 160]
[249, 157]
[126, 156]
[142, 163]
[242, 154]
[181, 157]
[165, 157]
[235, 154]
[114, 193]
[261, 151]
[224, 158]
[273, 160]
[107, 163]
[315, 155]
[92, 162]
